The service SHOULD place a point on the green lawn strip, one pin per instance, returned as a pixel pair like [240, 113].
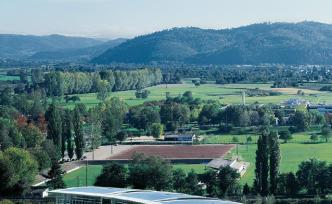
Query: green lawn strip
[78, 177]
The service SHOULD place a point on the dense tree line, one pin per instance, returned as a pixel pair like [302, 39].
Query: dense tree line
[58, 83]
[163, 177]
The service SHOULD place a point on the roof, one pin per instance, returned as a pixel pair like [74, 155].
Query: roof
[140, 196]
[220, 162]
[178, 136]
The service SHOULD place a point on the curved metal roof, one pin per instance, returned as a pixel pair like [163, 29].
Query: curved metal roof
[140, 196]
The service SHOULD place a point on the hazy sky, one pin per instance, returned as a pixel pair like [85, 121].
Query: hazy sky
[128, 18]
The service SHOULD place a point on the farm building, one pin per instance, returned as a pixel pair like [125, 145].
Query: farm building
[293, 102]
[103, 195]
[321, 108]
[239, 166]
[180, 137]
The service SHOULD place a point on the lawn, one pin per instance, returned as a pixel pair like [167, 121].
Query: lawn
[292, 154]
[8, 78]
[77, 178]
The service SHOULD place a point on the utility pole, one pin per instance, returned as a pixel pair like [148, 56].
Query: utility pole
[86, 172]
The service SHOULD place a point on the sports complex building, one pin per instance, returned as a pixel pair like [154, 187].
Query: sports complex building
[103, 195]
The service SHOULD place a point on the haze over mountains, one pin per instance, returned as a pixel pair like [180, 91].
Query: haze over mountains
[285, 43]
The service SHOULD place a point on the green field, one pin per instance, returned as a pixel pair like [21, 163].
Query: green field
[78, 177]
[227, 94]
[8, 78]
[292, 154]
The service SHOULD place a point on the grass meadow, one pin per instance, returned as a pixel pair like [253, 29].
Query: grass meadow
[227, 94]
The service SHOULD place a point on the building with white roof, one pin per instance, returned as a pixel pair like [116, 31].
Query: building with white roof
[105, 195]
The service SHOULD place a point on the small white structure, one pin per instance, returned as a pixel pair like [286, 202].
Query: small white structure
[240, 166]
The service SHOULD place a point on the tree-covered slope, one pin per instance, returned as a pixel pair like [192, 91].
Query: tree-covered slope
[21, 46]
[78, 54]
[287, 43]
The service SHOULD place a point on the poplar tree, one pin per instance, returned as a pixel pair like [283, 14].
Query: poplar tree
[67, 133]
[77, 124]
[274, 162]
[54, 125]
[262, 165]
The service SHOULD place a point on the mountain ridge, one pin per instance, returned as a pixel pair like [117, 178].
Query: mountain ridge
[287, 43]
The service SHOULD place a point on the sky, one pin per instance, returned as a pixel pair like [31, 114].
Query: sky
[129, 18]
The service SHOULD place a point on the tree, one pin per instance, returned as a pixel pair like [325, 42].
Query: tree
[54, 125]
[179, 180]
[10, 136]
[210, 179]
[6, 96]
[37, 76]
[113, 114]
[235, 139]
[42, 158]
[285, 135]
[192, 184]
[156, 169]
[314, 137]
[78, 132]
[312, 176]
[173, 115]
[55, 176]
[142, 117]
[274, 152]
[103, 90]
[113, 175]
[209, 114]
[300, 120]
[92, 128]
[67, 132]
[246, 189]
[227, 178]
[326, 132]
[157, 130]
[288, 184]
[17, 171]
[262, 166]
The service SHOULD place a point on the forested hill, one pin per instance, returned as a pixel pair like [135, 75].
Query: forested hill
[76, 54]
[286, 43]
[22, 46]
